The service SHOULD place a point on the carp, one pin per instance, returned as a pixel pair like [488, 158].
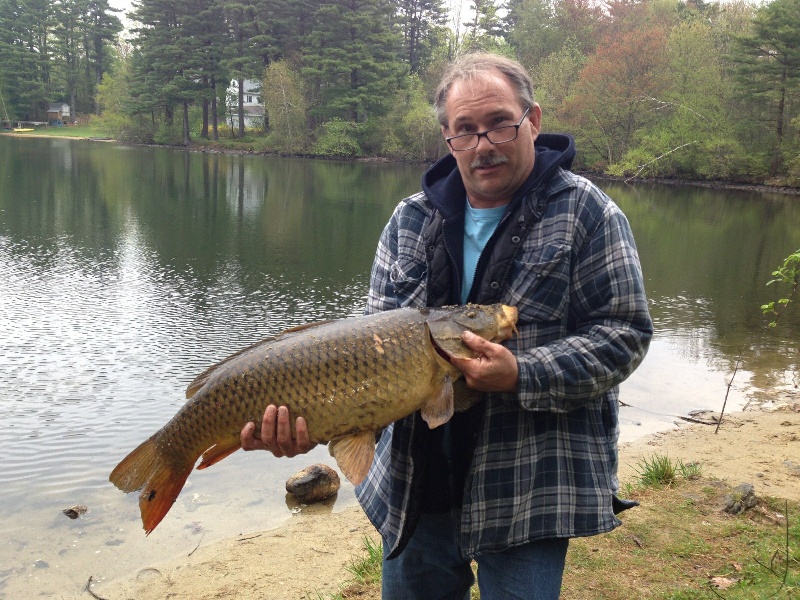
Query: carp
[348, 378]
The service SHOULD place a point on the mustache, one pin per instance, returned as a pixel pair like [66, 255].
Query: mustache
[491, 160]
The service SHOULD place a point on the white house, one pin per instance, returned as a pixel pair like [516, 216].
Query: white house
[253, 107]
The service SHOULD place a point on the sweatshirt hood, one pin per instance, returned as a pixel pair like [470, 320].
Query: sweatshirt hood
[444, 187]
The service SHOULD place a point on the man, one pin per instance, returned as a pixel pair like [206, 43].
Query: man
[509, 481]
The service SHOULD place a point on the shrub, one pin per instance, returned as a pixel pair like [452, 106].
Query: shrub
[338, 138]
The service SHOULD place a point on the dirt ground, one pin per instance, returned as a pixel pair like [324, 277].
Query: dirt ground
[308, 557]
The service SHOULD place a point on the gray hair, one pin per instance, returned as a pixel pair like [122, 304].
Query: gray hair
[474, 66]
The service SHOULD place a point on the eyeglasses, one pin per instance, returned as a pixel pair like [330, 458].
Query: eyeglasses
[499, 135]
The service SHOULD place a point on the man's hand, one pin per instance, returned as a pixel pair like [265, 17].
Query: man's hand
[494, 369]
[276, 434]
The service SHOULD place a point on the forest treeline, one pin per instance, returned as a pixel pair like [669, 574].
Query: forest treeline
[654, 88]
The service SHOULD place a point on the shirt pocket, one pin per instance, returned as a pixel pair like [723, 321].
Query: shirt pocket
[408, 280]
[540, 284]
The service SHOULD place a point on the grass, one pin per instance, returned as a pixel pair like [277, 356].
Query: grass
[72, 131]
[678, 545]
[366, 575]
[659, 470]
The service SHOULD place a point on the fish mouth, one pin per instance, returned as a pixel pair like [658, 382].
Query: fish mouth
[508, 322]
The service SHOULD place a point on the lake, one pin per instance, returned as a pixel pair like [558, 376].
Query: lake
[125, 272]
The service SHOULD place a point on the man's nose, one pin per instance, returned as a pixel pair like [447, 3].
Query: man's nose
[484, 145]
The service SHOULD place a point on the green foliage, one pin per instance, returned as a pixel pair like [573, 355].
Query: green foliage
[284, 99]
[410, 130]
[338, 138]
[168, 134]
[420, 22]
[53, 51]
[133, 129]
[554, 78]
[767, 68]
[788, 274]
[350, 61]
[116, 106]
[724, 159]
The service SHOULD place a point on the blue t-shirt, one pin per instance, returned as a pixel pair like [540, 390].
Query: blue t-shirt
[479, 225]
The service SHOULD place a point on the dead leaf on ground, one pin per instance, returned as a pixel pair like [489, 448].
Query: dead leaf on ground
[723, 583]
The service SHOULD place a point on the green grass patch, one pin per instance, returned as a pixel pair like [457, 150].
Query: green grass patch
[681, 544]
[660, 470]
[72, 131]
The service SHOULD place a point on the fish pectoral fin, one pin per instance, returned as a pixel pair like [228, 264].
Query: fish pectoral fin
[439, 409]
[354, 454]
[464, 397]
[219, 451]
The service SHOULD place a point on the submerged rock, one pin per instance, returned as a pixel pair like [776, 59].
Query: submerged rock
[73, 512]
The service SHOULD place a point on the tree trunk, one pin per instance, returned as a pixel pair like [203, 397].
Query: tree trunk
[777, 150]
[204, 130]
[214, 124]
[241, 107]
[186, 139]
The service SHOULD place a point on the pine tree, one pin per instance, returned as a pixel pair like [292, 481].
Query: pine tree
[768, 66]
[25, 65]
[100, 32]
[351, 61]
[168, 62]
[420, 21]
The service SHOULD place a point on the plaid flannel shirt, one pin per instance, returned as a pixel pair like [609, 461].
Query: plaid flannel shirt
[545, 461]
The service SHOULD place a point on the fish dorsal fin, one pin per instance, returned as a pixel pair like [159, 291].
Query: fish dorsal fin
[438, 409]
[354, 454]
[304, 327]
[201, 379]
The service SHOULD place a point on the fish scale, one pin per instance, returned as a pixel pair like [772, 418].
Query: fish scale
[347, 378]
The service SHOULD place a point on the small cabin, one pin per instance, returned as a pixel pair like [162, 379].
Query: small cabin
[58, 113]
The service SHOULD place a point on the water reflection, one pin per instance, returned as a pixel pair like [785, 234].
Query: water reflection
[707, 256]
[124, 272]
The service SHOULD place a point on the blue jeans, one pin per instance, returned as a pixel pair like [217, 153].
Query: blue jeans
[431, 567]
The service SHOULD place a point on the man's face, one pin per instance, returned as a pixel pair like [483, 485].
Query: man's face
[491, 173]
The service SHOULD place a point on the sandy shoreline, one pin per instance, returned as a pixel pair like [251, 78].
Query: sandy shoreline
[308, 557]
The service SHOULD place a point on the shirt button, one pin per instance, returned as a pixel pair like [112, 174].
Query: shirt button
[494, 285]
[515, 239]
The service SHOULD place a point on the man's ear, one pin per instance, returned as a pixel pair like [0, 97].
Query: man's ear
[535, 117]
[444, 135]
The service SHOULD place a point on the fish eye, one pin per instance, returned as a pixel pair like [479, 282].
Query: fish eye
[472, 314]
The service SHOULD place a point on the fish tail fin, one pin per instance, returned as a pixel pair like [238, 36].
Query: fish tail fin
[160, 482]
